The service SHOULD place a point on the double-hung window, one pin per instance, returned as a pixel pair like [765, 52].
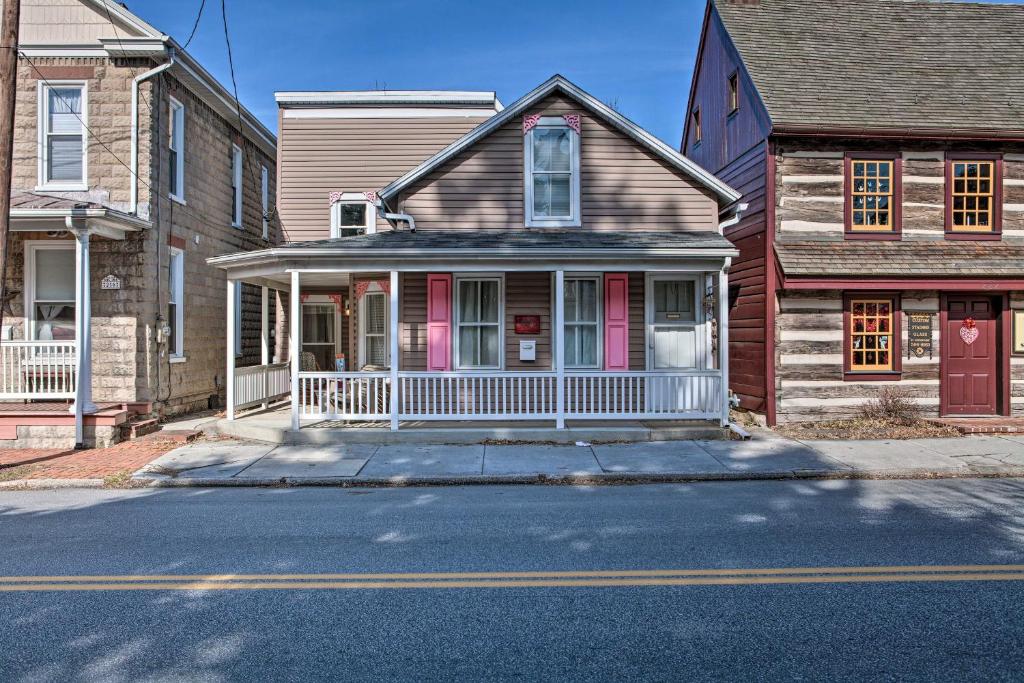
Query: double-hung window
[62, 128]
[176, 150]
[374, 326]
[552, 173]
[236, 186]
[582, 323]
[973, 196]
[51, 296]
[478, 308]
[265, 200]
[352, 215]
[872, 197]
[175, 303]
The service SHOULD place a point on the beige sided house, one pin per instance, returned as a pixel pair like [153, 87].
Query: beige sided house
[449, 261]
[130, 170]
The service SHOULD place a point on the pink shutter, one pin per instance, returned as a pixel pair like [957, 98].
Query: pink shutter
[439, 322]
[616, 321]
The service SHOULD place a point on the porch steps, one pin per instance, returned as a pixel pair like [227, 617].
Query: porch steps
[276, 431]
[138, 428]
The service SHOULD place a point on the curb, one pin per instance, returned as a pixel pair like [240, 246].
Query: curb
[36, 484]
[603, 479]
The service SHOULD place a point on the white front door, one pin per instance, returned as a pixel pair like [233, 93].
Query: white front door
[673, 323]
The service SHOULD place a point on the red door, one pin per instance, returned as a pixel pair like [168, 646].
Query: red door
[970, 375]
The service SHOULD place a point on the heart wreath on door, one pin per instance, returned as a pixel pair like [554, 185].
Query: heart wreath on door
[969, 331]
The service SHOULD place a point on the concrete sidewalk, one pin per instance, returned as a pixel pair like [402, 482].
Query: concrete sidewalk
[766, 456]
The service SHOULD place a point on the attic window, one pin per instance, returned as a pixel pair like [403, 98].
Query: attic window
[734, 92]
[698, 134]
[552, 172]
[352, 214]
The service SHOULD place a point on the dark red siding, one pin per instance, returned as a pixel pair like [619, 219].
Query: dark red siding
[734, 147]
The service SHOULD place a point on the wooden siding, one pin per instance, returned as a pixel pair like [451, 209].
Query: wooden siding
[623, 186]
[66, 22]
[528, 294]
[318, 156]
[726, 136]
[811, 347]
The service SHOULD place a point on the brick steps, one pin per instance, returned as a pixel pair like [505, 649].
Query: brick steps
[139, 428]
[172, 435]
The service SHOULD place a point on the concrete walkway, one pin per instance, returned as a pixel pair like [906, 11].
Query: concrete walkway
[766, 456]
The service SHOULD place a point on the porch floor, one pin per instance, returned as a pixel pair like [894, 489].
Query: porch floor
[274, 426]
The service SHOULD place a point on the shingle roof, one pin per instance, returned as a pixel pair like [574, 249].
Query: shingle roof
[519, 239]
[895, 64]
[900, 259]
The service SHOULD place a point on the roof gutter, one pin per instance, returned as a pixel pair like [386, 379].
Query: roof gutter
[735, 212]
[133, 207]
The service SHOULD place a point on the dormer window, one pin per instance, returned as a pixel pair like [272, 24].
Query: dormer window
[352, 214]
[552, 172]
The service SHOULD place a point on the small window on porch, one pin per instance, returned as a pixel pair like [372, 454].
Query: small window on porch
[318, 333]
[582, 323]
[373, 328]
[478, 309]
[52, 281]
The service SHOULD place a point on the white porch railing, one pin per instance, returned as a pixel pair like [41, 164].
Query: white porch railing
[498, 396]
[345, 395]
[37, 370]
[512, 395]
[258, 384]
[694, 395]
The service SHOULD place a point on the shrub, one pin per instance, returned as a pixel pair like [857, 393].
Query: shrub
[891, 405]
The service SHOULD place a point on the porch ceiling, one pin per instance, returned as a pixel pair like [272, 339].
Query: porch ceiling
[536, 249]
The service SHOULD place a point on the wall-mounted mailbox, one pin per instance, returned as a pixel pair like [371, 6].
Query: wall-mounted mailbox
[527, 350]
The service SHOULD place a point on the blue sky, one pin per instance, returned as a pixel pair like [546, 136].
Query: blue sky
[637, 55]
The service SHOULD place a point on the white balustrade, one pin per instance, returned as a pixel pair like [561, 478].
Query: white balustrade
[643, 395]
[477, 396]
[37, 370]
[256, 384]
[345, 395]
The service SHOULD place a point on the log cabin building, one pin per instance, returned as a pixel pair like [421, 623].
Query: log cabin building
[880, 147]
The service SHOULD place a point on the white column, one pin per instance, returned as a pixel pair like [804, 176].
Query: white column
[83, 334]
[294, 347]
[265, 342]
[723, 338]
[394, 358]
[232, 334]
[559, 335]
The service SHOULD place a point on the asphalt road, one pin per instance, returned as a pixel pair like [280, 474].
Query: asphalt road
[439, 628]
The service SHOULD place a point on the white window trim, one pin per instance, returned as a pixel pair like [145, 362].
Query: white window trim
[29, 314]
[179, 307]
[265, 199]
[178, 140]
[698, 322]
[457, 322]
[42, 124]
[236, 177]
[573, 221]
[238, 318]
[373, 289]
[322, 300]
[353, 198]
[600, 320]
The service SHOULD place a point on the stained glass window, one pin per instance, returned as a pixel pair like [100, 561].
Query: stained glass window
[871, 335]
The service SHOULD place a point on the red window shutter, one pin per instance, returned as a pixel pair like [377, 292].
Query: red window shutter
[439, 322]
[616, 321]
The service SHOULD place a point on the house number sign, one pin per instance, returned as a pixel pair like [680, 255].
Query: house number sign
[110, 282]
[919, 335]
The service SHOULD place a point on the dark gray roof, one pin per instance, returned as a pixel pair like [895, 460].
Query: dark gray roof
[895, 64]
[544, 238]
[901, 259]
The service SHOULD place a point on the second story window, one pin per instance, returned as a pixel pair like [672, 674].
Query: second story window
[265, 200]
[351, 215]
[62, 151]
[697, 134]
[973, 196]
[176, 150]
[552, 173]
[872, 195]
[236, 186]
[734, 92]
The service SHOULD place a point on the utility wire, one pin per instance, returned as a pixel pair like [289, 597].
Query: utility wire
[127, 63]
[195, 25]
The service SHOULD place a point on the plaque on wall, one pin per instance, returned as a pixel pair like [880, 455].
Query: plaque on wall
[110, 282]
[527, 324]
[919, 335]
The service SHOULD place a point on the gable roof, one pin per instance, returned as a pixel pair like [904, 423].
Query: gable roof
[910, 65]
[557, 83]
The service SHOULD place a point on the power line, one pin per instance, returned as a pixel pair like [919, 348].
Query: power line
[127, 63]
[195, 25]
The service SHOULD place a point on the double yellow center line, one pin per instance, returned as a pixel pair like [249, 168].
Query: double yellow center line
[531, 579]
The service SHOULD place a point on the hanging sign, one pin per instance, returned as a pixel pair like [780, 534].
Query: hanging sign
[919, 335]
[110, 282]
[969, 331]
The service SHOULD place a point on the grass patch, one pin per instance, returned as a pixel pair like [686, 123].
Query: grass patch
[13, 473]
[863, 428]
[118, 480]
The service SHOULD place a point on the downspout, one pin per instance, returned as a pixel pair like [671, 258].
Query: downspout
[396, 216]
[737, 213]
[134, 205]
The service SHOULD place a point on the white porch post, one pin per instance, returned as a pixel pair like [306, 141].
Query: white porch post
[394, 358]
[723, 338]
[294, 346]
[265, 343]
[232, 334]
[559, 335]
[83, 333]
